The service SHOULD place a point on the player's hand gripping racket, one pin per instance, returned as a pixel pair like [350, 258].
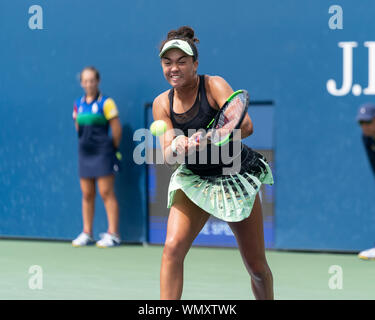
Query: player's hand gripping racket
[230, 116]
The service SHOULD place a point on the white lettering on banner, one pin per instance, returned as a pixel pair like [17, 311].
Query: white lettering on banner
[216, 229]
[347, 71]
[206, 229]
[371, 65]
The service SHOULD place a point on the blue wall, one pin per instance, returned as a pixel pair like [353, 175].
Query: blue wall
[282, 51]
[325, 187]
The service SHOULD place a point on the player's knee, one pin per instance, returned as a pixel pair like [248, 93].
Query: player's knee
[259, 271]
[174, 251]
[106, 194]
[88, 196]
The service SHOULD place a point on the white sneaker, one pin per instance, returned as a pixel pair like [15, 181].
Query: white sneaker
[368, 254]
[84, 239]
[108, 240]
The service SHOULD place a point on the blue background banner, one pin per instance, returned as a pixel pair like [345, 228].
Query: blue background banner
[282, 51]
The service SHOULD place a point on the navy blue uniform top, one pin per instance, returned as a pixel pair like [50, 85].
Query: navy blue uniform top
[369, 143]
[96, 149]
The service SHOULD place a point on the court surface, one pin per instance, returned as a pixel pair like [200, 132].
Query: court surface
[131, 272]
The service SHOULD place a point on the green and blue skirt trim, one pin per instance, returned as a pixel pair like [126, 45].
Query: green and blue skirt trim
[226, 197]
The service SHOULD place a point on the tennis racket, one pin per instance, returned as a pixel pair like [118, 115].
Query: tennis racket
[229, 117]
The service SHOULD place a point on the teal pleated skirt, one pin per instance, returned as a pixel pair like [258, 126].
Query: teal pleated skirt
[226, 197]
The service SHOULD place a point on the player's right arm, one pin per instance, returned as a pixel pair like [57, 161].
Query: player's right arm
[74, 115]
[370, 152]
[220, 90]
[160, 111]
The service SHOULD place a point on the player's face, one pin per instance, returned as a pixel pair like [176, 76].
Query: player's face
[368, 128]
[179, 69]
[89, 83]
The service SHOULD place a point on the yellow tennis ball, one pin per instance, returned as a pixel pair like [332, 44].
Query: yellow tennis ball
[158, 127]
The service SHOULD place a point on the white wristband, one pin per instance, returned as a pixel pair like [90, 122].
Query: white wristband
[173, 144]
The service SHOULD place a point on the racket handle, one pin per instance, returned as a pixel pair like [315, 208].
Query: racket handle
[197, 138]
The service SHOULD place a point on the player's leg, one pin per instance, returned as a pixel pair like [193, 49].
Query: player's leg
[250, 239]
[88, 207]
[106, 186]
[184, 223]
[88, 203]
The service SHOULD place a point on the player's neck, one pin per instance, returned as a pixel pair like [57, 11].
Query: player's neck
[369, 136]
[90, 97]
[186, 91]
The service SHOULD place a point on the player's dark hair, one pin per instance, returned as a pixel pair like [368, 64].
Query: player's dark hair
[93, 69]
[183, 33]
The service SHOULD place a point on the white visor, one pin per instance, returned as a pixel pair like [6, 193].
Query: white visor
[178, 44]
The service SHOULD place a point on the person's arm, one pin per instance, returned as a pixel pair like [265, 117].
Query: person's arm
[112, 115]
[220, 90]
[370, 153]
[75, 116]
[160, 111]
[116, 129]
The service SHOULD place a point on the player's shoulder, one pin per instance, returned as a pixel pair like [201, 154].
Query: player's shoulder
[162, 97]
[365, 138]
[78, 101]
[105, 99]
[161, 103]
[368, 141]
[215, 80]
[218, 89]
[216, 85]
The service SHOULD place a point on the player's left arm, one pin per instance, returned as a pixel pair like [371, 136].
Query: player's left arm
[370, 152]
[220, 90]
[116, 131]
[112, 115]
[74, 115]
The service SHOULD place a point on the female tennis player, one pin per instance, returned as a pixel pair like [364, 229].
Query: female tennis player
[93, 115]
[197, 191]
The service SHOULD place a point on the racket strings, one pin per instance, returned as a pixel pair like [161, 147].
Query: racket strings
[230, 117]
[233, 111]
